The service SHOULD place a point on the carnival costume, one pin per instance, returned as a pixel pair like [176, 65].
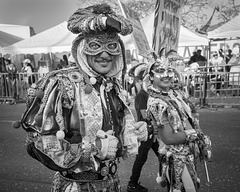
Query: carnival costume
[70, 111]
[173, 108]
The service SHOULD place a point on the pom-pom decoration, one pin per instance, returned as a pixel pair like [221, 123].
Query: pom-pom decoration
[60, 135]
[125, 93]
[88, 89]
[40, 94]
[159, 179]
[93, 80]
[16, 124]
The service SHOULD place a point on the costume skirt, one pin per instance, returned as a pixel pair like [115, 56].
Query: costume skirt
[63, 184]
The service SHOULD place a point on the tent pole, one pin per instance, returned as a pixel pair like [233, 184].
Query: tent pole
[51, 61]
[206, 73]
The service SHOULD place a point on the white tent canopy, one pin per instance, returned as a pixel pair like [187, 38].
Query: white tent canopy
[186, 37]
[54, 40]
[231, 29]
[7, 39]
[190, 38]
[58, 39]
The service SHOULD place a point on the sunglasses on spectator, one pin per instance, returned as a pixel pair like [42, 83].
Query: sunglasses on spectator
[215, 55]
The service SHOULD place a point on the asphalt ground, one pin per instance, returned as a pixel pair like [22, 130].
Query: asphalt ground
[20, 173]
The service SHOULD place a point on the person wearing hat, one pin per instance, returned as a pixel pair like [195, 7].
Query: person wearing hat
[218, 65]
[76, 119]
[140, 105]
[176, 127]
[28, 69]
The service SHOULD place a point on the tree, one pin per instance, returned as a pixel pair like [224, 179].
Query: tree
[195, 13]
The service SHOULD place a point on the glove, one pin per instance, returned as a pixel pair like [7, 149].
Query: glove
[207, 149]
[191, 135]
[140, 129]
[133, 134]
[113, 24]
[107, 144]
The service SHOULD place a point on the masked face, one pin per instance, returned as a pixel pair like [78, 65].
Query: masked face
[101, 63]
[162, 77]
[102, 52]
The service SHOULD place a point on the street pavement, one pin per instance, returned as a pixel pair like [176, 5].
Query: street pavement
[20, 173]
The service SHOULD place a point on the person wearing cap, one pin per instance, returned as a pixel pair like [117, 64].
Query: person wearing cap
[218, 65]
[176, 127]
[28, 69]
[76, 119]
[140, 105]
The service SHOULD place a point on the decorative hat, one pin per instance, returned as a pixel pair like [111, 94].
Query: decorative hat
[169, 61]
[98, 21]
[235, 50]
[26, 61]
[140, 71]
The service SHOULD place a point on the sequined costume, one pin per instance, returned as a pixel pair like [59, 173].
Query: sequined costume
[171, 112]
[70, 110]
[175, 109]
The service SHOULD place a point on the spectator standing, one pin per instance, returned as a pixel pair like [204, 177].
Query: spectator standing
[28, 69]
[201, 60]
[218, 65]
[234, 76]
[12, 78]
[193, 58]
[228, 57]
[221, 54]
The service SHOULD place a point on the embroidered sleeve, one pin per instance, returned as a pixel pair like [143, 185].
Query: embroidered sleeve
[48, 108]
[157, 111]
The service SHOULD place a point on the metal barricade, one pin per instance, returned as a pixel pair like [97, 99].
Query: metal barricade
[210, 87]
[202, 86]
[13, 87]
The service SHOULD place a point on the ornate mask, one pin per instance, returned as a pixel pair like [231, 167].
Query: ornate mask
[95, 44]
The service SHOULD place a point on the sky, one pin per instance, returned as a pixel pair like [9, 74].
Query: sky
[39, 14]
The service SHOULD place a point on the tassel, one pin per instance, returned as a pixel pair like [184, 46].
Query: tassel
[158, 179]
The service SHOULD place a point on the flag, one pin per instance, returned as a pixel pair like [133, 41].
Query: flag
[204, 29]
[138, 34]
[166, 25]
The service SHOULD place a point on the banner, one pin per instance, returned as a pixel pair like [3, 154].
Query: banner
[138, 35]
[166, 25]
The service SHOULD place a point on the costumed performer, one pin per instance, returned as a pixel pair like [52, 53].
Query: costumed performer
[76, 119]
[176, 126]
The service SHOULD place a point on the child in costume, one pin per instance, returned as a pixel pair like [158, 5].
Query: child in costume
[76, 119]
[176, 126]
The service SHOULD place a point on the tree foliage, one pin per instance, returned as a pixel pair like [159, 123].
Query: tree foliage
[195, 13]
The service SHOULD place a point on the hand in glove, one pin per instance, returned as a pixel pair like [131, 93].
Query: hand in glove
[113, 24]
[140, 129]
[134, 134]
[207, 148]
[107, 144]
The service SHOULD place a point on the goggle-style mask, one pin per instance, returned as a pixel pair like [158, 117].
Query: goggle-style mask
[163, 72]
[95, 44]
